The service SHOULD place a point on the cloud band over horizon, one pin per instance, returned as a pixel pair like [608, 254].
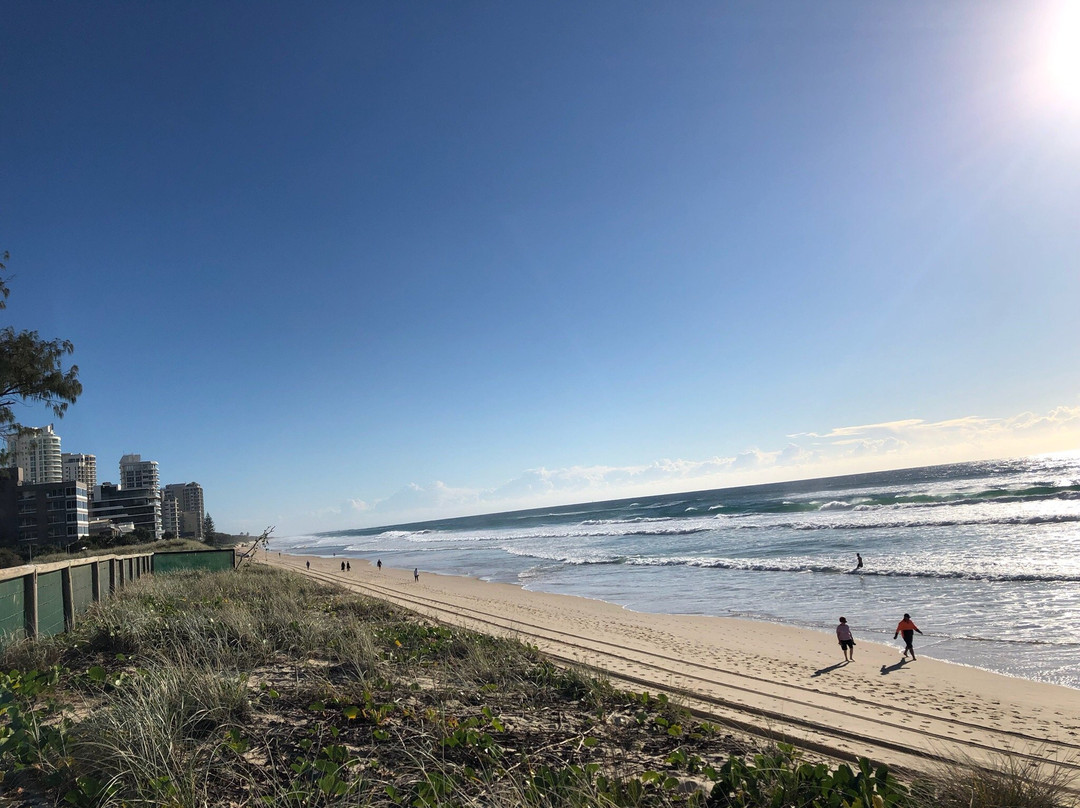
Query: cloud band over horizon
[842, 450]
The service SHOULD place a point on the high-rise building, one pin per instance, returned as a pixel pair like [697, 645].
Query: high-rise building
[42, 513]
[138, 473]
[188, 505]
[80, 468]
[140, 506]
[36, 450]
[170, 514]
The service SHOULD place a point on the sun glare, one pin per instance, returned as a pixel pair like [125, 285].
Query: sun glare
[1063, 54]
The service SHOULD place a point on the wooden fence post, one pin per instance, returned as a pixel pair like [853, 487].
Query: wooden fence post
[30, 605]
[68, 597]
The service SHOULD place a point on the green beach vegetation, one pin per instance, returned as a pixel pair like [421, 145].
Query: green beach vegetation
[262, 687]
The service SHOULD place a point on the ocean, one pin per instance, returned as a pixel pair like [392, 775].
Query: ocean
[985, 556]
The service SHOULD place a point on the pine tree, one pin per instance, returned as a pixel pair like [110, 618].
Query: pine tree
[31, 369]
[208, 529]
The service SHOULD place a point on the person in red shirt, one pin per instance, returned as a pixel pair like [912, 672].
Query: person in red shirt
[908, 629]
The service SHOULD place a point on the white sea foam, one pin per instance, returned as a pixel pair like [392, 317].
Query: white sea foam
[836, 505]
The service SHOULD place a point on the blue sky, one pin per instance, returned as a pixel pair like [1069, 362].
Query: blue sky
[356, 263]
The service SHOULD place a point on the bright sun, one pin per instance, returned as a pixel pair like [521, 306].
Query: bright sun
[1063, 53]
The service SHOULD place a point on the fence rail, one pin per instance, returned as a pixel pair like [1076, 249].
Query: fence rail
[40, 600]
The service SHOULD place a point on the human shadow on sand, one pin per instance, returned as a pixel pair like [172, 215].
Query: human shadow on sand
[887, 669]
[829, 669]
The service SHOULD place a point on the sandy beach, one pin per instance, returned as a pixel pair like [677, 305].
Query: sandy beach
[790, 683]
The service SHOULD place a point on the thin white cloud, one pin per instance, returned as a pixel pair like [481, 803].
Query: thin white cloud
[845, 431]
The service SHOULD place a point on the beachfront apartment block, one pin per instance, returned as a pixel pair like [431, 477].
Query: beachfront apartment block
[170, 515]
[182, 510]
[138, 473]
[36, 450]
[55, 513]
[80, 468]
[120, 505]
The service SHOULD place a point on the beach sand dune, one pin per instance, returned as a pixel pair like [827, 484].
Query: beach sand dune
[783, 682]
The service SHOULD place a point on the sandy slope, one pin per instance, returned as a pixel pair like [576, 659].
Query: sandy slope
[771, 678]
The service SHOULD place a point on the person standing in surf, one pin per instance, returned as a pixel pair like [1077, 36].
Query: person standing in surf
[858, 562]
[847, 642]
[908, 629]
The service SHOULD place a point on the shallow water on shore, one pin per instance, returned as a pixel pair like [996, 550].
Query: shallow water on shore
[985, 557]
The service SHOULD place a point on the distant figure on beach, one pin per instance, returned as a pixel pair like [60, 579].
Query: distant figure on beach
[348, 566]
[416, 575]
[858, 565]
[379, 564]
[908, 629]
[343, 566]
[847, 642]
[309, 565]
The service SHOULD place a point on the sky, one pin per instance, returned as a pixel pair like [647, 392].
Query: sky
[361, 263]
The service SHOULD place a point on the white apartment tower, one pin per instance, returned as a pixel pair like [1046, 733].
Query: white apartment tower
[80, 468]
[36, 450]
[170, 514]
[138, 473]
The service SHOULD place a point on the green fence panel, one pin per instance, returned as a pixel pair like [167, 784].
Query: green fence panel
[210, 560]
[12, 611]
[50, 589]
[82, 587]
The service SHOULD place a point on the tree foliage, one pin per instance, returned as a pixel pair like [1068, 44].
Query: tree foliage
[208, 529]
[31, 368]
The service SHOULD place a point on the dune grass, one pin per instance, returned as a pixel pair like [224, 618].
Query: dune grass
[261, 687]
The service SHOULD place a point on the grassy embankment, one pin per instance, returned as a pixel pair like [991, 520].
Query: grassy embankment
[162, 546]
[221, 541]
[260, 687]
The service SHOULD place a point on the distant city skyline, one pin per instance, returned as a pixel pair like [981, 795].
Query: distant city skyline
[137, 500]
[358, 264]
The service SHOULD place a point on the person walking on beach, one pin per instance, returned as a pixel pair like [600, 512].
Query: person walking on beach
[908, 629]
[379, 564]
[348, 566]
[416, 574]
[343, 566]
[309, 565]
[847, 642]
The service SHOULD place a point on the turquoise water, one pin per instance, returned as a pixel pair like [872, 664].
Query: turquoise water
[985, 556]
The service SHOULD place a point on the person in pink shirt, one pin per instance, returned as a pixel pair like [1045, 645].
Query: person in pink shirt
[847, 642]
